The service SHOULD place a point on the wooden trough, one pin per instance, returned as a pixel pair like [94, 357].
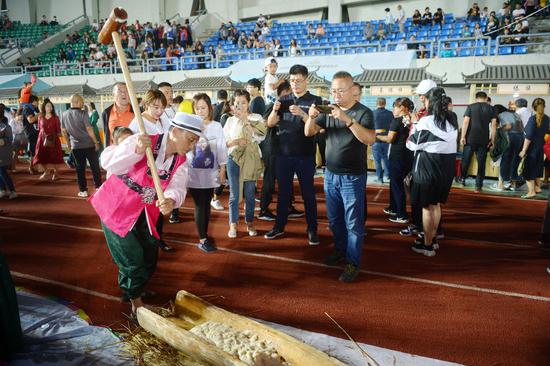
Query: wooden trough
[191, 311]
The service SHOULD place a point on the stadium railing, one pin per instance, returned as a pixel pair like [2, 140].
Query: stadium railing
[519, 44]
[465, 47]
[460, 47]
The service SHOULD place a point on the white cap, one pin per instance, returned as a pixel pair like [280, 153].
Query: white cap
[188, 122]
[425, 86]
[270, 60]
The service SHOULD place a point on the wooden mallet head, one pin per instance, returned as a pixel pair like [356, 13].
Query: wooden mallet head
[117, 17]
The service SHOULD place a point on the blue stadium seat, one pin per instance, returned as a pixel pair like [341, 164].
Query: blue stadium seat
[505, 50]
[493, 50]
[466, 44]
[520, 50]
[465, 52]
[480, 51]
[372, 49]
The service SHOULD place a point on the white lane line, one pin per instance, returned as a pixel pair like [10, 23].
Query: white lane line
[321, 199]
[378, 195]
[320, 221]
[395, 231]
[65, 285]
[300, 261]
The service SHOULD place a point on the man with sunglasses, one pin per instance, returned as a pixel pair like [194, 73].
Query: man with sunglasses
[296, 153]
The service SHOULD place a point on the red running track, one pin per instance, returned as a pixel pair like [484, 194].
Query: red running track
[483, 300]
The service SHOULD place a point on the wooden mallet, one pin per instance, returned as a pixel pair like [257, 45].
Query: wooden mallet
[109, 33]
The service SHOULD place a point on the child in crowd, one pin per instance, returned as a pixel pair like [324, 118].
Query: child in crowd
[271, 81]
[120, 133]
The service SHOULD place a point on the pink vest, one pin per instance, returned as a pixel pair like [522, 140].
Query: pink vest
[121, 199]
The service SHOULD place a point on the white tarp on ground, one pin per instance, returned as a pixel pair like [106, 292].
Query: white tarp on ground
[347, 352]
[56, 335]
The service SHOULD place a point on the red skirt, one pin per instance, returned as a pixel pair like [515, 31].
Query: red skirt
[48, 155]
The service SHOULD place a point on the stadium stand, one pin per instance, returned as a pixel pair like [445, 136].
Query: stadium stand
[221, 51]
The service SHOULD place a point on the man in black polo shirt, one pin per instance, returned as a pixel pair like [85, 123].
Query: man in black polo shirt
[296, 153]
[349, 129]
[475, 136]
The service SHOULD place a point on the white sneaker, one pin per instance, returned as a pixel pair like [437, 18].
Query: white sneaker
[83, 194]
[232, 233]
[251, 230]
[12, 195]
[3, 194]
[216, 205]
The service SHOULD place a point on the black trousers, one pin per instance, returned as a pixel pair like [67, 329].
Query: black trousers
[81, 156]
[202, 198]
[218, 191]
[268, 183]
[481, 156]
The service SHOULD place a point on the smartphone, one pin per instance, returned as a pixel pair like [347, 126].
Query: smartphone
[326, 109]
[285, 105]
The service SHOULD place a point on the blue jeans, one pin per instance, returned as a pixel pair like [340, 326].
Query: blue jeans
[380, 155]
[510, 158]
[249, 190]
[5, 179]
[398, 171]
[304, 167]
[345, 196]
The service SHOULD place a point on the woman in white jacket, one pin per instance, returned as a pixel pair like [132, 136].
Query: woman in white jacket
[433, 140]
[207, 161]
[243, 132]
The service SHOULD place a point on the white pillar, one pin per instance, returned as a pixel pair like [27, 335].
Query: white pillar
[334, 11]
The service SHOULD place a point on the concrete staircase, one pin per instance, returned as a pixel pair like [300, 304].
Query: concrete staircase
[539, 25]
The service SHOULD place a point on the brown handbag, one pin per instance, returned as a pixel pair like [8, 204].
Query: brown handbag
[49, 141]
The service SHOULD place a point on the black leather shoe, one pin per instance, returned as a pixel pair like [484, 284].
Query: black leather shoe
[165, 247]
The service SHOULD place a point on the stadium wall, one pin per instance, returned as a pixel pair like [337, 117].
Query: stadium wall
[28, 11]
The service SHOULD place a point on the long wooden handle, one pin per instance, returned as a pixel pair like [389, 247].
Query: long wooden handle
[135, 105]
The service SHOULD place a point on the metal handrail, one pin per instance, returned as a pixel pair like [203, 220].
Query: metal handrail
[157, 64]
[429, 49]
[73, 21]
[360, 45]
[134, 65]
[197, 17]
[59, 68]
[177, 15]
[90, 67]
[183, 60]
[475, 45]
[11, 70]
[499, 39]
[36, 68]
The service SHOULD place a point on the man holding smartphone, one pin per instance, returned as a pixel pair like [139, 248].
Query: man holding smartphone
[296, 153]
[349, 129]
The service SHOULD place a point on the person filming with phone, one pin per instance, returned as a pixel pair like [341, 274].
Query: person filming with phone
[296, 153]
[349, 129]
